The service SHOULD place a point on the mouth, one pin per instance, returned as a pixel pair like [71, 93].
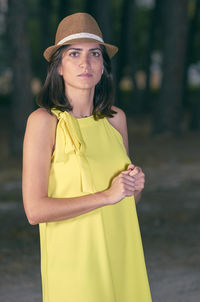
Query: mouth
[85, 75]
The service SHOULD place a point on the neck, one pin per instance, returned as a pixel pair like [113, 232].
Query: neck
[81, 101]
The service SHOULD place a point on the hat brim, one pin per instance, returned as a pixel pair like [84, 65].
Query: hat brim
[111, 49]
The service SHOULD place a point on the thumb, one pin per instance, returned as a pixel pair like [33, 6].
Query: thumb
[126, 171]
[131, 167]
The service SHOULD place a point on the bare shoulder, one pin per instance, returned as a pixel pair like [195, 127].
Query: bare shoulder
[119, 110]
[41, 115]
[41, 125]
[118, 118]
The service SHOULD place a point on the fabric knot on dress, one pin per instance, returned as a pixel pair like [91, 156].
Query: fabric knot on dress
[71, 130]
[74, 142]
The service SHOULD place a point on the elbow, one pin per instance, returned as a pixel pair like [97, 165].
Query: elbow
[32, 219]
[32, 216]
[33, 211]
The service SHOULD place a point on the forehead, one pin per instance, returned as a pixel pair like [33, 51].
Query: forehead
[85, 46]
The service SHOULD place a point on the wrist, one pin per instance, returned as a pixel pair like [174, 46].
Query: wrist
[105, 197]
[137, 195]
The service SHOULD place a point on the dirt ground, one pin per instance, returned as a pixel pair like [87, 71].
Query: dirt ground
[168, 214]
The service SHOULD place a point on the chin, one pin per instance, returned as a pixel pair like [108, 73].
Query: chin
[86, 85]
[89, 84]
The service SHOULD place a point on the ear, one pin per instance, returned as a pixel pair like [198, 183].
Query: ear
[59, 69]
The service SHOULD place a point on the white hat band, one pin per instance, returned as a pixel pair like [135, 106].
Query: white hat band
[80, 35]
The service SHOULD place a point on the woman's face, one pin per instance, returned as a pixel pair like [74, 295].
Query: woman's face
[82, 65]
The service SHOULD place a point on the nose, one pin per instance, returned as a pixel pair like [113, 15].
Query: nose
[84, 61]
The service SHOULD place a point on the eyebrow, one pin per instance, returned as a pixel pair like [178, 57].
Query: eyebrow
[91, 49]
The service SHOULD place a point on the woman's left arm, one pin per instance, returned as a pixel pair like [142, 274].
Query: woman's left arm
[137, 196]
[120, 123]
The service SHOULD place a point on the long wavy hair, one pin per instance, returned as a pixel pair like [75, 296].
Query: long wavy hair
[52, 93]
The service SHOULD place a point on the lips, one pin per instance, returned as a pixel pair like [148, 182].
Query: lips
[85, 75]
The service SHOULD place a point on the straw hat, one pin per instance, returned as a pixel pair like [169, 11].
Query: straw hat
[78, 28]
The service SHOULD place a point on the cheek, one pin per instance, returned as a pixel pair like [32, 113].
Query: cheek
[68, 70]
[98, 71]
[98, 68]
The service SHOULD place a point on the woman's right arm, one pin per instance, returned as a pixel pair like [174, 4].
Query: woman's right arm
[37, 151]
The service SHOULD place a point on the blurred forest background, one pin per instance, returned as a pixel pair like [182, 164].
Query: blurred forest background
[157, 84]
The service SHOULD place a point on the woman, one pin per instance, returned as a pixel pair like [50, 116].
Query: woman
[78, 181]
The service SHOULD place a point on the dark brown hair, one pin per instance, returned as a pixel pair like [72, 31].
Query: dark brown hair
[52, 93]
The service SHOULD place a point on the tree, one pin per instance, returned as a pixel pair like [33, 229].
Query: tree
[127, 56]
[169, 107]
[64, 9]
[101, 11]
[45, 8]
[18, 44]
[155, 20]
[192, 33]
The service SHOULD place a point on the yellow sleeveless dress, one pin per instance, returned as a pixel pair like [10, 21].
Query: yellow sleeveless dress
[96, 256]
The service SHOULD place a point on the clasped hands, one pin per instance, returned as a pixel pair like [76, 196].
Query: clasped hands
[139, 179]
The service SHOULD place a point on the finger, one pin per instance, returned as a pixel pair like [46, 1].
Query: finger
[139, 175]
[126, 172]
[138, 169]
[131, 166]
[129, 192]
[139, 181]
[133, 172]
[126, 182]
[139, 186]
[127, 177]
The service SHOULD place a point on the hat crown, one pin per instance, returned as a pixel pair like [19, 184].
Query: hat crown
[78, 28]
[77, 23]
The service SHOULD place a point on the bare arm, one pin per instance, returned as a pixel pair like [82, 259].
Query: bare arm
[37, 151]
[137, 196]
[119, 121]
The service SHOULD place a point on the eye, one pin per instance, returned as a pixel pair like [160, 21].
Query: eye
[74, 54]
[96, 54]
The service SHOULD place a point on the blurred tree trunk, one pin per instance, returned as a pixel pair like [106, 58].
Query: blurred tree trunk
[195, 117]
[127, 56]
[169, 107]
[101, 11]
[191, 58]
[22, 101]
[45, 26]
[64, 9]
[155, 20]
[190, 47]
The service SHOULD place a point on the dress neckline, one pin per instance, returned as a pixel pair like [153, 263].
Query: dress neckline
[82, 121]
